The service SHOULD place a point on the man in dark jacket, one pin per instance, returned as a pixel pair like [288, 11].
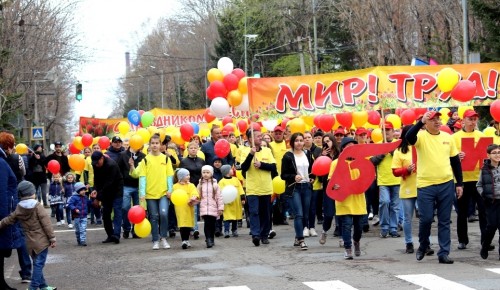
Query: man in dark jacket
[59, 156]
[130, 185]
[36, 164]
[108, 189]
[208, 148]
[115, 149]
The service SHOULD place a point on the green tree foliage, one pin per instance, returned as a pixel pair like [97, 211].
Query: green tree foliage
[488, 11]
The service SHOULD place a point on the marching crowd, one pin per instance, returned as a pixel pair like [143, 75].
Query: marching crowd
[430, 183]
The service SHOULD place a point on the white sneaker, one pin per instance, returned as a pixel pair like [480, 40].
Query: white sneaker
[58, 223]
[306, 232]
[189, 244]
[341, 243]
[70, 226]
[63, 222]
[375, 220]
[313, 232]
[156, 245]
[164, 243]
[370, 216]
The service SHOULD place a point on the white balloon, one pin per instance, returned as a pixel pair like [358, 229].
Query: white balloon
[270, 124]
[229, 194]
[225, 64]
[220, 107]
[244, 106]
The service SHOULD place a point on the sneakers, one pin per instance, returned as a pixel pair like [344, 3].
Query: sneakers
[83, 244]
[184, 245]
[322, 239]
[256, 241]
[156, 245]
[303, 245]
[375, 220]
[370, 216]
[272, 234]
[196, 235]
[341, 243]
[357, 249]
[49, 288]
[409, 248]
[265, 241]
[395, 235]
[226, 234]
[63, 222]
[384, 234]
[348, 254]
[70, 226]
[188, 244]
[58, 224]
[306, 233]
[484, 252]
[164, 243]
[235, 234]
[26, 280]
[171, 233]
[296, 243]
[313, 232]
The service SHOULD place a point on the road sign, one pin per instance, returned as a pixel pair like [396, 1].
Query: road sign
[37, 133]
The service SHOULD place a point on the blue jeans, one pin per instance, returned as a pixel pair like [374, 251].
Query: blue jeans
[158, 212]
[348, 222]
[59, 211]
[389, 208]
[408, 205]
[259, 207]
[301, 201]
[24, 258]
[196, 215]
[81, 229]
[286, 205]
[441, 197]
[130, 195]
[312, 208]
[112, 228]
[37, 279]
[328, 212]
[68, 215]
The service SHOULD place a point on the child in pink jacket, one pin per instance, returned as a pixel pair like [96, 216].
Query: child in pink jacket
[211, 203]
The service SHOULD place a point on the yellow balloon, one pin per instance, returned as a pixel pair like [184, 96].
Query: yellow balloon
[359, 118]
[461, 110]
[243, 86]
[309, 120]
[444, 115]
[370, 126]
[395, 120]
[21, 149]
[143, 229]
[215, 74]
[136, 142]
[152, 130]
[489, 131]
[123, 127]
[76, 162]
[170, 129]
[279, 185]
[179, 197]
[377, 135]
[205, 132]
[297, 125]
[447, 79]
[162, 134]
[95, 141]
[77, 142]
[144, 133]
[177, 138]
[145, 149]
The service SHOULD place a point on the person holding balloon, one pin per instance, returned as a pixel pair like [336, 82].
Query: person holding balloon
[232, 209]
[39, 178]
[184, 196]
[60, 157]
[211, 204]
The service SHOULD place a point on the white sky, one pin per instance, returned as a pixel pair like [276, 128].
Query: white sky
[109, 29]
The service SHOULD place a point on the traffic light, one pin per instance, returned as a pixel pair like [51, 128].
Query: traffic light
[79, 92]
[256, 68]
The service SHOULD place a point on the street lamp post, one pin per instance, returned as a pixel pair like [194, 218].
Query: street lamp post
[250, 37]
[205, 70]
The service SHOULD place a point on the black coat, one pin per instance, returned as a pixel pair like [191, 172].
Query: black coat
[125, 167]
[193, 165]
[289, 169]
[108, 181]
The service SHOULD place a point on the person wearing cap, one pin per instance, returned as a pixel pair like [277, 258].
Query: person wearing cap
[361, 136]
[88, 178]
[350, 211]
[108, 189]
[258, 168]
[38, 229]
[437, 164]
[60, 157]
[278, 148]
[208, 148]
[211, 203]
[470, 178]
[115, 149]
[339, 134]
[36, 163]
[78, 204]
[389, 202]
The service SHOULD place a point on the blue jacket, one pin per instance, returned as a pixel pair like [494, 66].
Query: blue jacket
[79, 202]
[55, 193]
[208, 149]
[10, 237]
[69, 188]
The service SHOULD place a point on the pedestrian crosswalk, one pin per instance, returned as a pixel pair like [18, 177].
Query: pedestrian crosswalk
[424, 281]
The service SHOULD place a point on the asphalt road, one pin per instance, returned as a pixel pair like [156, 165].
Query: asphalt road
[236, 264]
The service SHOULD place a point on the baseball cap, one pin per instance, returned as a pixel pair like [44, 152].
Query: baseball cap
[470, 113]
[434, 114]
[360, 131]
[116, 139]
[224, 132]
[346, 141]
[96, 156]
[58, 143]
[388, 125]
[279, 128]
[339, 131]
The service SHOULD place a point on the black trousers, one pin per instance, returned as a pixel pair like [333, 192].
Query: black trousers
[492, 213]
[470, 192]
[185, 233]
[209, 227]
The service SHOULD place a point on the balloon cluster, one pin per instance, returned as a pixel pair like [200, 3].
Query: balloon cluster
[137, 216]
[448, 81]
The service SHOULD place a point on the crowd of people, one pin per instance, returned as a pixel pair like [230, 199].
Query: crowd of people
[428, 183]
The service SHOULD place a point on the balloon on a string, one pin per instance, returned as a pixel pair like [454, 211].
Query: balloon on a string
[230, 82]
[53, 166]
[104, 142]
[179, 197]
[321, 166]
[72, 149]
[344, 119]
[447, 79]
[134, 117]
[229, 194]
[136, 214]
[76, 162]
[238, 72]
[225, 64]
[209, 117]
[220, 107]
[374, 117]
[147, 119]
[21, 149]
[242, 125]
[136, 142]
[222, 148]
[187, 131]
[279, 185]
[464, 91]
[215, 74]
[243, 85]
[123, 127]
[359, 118]
[376, 135]
[87, 140]
[196, 127]
[297, 125]
[226, 120]
[143, 229]
[234, 98]
[495, 110]
[408, 117]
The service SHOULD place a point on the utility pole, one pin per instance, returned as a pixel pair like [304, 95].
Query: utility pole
[315, 35]
[465, 31]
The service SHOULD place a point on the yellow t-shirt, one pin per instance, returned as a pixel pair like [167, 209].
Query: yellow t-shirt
[185, 213]
[156, 170]
[496, 139]
[457, 137]
[199, 154]
[384, 172]
[234, 150]
[176, 157]
[408, 188]
[258, 181]
[232, 210]
[354, 204]
[90, 169]
[433, 158]
[278, 150]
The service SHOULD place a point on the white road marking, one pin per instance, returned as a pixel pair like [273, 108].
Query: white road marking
[230, 288]
[433, 282]
[329, 285]
[73, 230]
[494, 270]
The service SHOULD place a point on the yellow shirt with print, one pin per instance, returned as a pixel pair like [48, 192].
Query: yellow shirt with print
[156, 170]
[457, 137]
[433, 158]
[354, 204]
[90, 169]
[408, 188]
[278, 150]
[258, 181]
[384, 172]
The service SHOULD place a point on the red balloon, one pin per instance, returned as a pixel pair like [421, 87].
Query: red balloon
[446, 129]
[218, 89]
[464, 91]
[208, 116]
[326, 122]
[222, 148]
[104, 142]
[73, 149]
[136, 214]
[408, 117]
[399, 111]
[228, 128]
[419, 112]
[242, 126]
[230, 82]
[227, 120]
[239, 73]
[187, 131]
[53, 166]
[321, 166]
[317, 120]
[345, 119]
[87, 139]
[210, 94]
[284, 122]
[373, 117]
[141, 112]
[495, 110]
[256, 126]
